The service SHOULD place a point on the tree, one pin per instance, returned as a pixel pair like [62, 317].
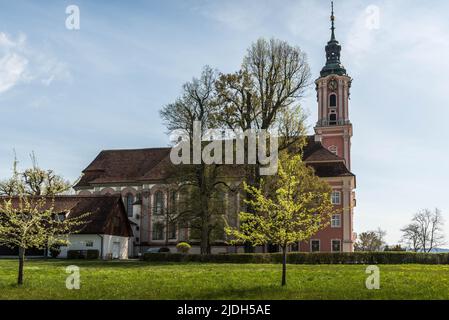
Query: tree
[27, 217]
[201, 181]
[411, 237]
[425, 232]
[33, 181]
[265, 93]
[31, 222]
[395, 248]
[370, 241]
[289, 208]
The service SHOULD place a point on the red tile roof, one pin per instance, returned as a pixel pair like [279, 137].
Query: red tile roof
[139, 165]
[122, 166]
[101, 211]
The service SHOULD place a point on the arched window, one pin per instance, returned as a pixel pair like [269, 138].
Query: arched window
[129, 204]
[332, 100]
[158, 231]
[158, 203]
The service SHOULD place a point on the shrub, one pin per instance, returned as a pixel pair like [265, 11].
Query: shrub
[183, 247]
[92, 254]
[307, 258]
[75, 254]
[83, 254]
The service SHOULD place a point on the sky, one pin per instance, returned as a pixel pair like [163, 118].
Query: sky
[68, 94]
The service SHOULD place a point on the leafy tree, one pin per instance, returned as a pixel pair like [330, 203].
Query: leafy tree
[289, 208]
[370, 241]
[411, 236]
[31, 222]
[34, 181]
[264, 95]
[27, 217]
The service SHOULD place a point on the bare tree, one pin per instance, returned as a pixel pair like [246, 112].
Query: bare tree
[426, 230]
[265, 94]
[197, 103]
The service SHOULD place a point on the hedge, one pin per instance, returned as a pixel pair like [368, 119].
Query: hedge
[306, 258]
[83, 254]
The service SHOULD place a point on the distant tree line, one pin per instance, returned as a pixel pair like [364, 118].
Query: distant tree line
[423, 234]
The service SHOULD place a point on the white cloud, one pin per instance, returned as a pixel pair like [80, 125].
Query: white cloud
[12, 69]
[21, 64]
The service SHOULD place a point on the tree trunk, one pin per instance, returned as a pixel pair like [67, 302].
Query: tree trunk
[284, 265]
[250, 180]
[21, 261]
[204, 238]
[167, 231]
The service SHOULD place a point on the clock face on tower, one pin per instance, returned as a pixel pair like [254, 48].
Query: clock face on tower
[333, 85]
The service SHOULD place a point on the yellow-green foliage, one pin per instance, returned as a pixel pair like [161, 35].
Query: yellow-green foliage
[288, 208]
[31, 222]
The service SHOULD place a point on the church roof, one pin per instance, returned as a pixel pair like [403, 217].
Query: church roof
[150, 165]
[122, 166]
[314, 151]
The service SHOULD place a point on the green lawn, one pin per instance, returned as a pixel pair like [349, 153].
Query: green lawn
[142, 280]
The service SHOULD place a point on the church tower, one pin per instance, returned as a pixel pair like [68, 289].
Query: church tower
[333, 91]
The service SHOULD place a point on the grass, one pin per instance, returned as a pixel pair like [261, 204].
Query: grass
[45, 279]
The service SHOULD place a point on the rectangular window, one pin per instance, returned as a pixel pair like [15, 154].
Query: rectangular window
[129, 204]
[315, 246]
[336, 197]
[336, 245]
[89, 243]
[336, 220]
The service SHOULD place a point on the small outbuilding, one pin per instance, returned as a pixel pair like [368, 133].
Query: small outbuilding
[105, 234]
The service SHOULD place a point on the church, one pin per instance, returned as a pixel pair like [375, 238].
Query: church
[139, 177]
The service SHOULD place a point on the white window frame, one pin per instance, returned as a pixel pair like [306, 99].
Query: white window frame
[339, 197]
[89, 243]
[332, 245]
[319, 245]
[339, 220]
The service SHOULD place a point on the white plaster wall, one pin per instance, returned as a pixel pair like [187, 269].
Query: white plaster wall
[108, 245]
[78, 242]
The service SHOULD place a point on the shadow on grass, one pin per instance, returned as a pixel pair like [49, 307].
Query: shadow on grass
[135, 263]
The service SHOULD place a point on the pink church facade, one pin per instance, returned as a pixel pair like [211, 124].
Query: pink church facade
[138, 175]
